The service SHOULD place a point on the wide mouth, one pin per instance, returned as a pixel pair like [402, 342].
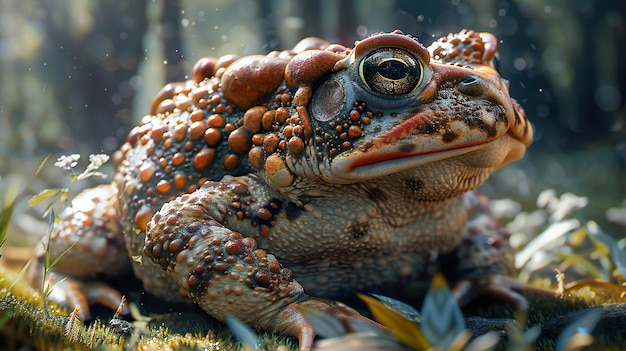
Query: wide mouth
[390, 160]
[417, 141]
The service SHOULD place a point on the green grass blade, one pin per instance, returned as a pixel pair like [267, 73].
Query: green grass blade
[43, 163]
[44, 195]
[21, 273]
[248, 338]
[5, 218]
[12, 195]
[58, 258]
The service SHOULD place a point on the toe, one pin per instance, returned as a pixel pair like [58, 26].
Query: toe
[500, 287]
[291, 321]
[74, 293]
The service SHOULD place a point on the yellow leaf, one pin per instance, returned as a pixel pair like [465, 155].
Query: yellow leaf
[578, 236]
[42, 164]
[44, 195]
[405, 330]
[601, 249]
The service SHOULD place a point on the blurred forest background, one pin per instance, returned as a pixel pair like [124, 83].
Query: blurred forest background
[76, 75]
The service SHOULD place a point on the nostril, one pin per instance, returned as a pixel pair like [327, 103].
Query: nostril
[471, 86]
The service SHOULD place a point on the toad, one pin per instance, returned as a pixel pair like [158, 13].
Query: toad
[270, 182]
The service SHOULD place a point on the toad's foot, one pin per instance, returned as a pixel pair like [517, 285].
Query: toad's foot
[501, 287]
[483, 263]
[292, 321]
[84, 246]
[72, 293]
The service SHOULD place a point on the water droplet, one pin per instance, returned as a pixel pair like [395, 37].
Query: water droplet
[608, 97]
[542, 110]
[519, 64]
[361, 30]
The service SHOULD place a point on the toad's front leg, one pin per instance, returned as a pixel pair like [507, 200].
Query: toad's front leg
[225, 272]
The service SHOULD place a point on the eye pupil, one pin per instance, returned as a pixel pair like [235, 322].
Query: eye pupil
[391, 71]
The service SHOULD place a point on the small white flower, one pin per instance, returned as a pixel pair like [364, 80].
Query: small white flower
[95, 161]
[98, 160]
[67, 162]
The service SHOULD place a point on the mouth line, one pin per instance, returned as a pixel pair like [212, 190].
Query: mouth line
[382, 156]
[402, 142]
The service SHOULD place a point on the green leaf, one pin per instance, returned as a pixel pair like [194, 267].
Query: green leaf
[404, 309]
[11, 197]
[56, 260]
[571, 259]
[13, 193]
[405, 330]
[530, 336]
[487, 341]
[442, 319]
[51, 221]
[56, 285]
[47, 258]
[360, 342]
[520, 340]
[63, 195]
[618, 255]
[5, 218]
[248, 338]
[578, 333]
[45, 195]
[545, 240]
[42, 164]
[21, 273]
[324, 325]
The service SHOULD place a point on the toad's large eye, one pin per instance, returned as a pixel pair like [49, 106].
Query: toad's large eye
[391, 71]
